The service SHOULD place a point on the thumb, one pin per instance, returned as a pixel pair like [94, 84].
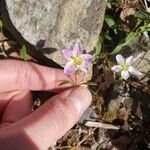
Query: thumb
[53, 119]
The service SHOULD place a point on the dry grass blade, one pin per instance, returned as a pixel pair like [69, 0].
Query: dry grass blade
[101, 125]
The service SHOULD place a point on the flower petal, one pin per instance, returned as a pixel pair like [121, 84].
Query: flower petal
[125, 75]
[120, 59]
[134, 71]
[69, 68]
[87, 57]
[77, 50]
[67, 53]
[116, 68]
[84, 68]
[129, 60]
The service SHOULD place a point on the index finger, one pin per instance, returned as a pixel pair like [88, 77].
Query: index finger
[19, 75]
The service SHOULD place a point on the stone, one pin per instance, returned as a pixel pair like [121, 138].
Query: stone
[56, 24]
[142, 46]
[89, 114]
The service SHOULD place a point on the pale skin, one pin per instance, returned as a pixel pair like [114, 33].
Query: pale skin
[20, 128]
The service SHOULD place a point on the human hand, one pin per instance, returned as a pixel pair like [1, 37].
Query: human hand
[23, 129]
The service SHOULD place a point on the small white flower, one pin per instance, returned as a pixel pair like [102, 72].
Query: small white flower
[125, 67]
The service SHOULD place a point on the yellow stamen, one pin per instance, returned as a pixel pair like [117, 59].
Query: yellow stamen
[125, 67]
[77, 61]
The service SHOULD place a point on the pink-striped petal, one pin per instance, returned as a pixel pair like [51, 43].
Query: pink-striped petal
[87, 58]
[134, 71]
[129, 60]
[120, 59]
[125, 75]
[84, 68]
[116, 68]
[67, 53]
[69, 68]
[77, 50]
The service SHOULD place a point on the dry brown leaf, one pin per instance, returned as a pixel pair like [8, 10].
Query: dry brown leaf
[126, 13]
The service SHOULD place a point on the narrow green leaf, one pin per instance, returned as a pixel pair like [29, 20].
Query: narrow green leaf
[65, 82]
[110, 21]
[108, 37]
[117, 49]
[142, 14]
[24, 52]
[130, 37]
[1, 24]
[145, 28]
[109, 5]
[98, 46]
[90, 83]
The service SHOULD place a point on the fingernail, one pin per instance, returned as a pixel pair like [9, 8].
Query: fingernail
[80, 98]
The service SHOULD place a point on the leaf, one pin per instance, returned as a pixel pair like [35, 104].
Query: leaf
[145, 28]
[24, 52]
[1, 24]
[110, 21]
[98, 46]
[108, 37]
[117, 49]
[90, 83]
[109, 5]
[65, 82]
[130, 37]
[142, 14]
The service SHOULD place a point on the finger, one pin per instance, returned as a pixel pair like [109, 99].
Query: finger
[18, 107]
[4, 100]
[53, 119]
[19, 75]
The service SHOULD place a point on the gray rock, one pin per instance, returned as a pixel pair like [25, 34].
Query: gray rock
[60, 23]
[89, 114]
[117, 96]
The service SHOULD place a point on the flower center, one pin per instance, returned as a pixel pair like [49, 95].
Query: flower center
[125, 67]
[77, 61]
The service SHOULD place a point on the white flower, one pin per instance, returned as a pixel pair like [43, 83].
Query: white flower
[125, 67]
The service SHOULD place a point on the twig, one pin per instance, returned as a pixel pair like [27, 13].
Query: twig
[139, 85]
[145, 5]
[89, 134]
[63, 147]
